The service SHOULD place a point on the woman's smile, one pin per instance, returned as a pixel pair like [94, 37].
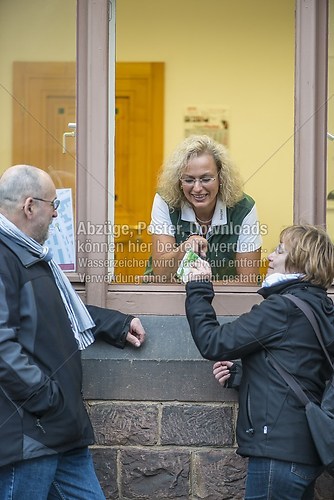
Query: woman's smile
[201, 184]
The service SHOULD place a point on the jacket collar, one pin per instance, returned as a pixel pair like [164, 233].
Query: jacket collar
[26, 258]
[280, 287]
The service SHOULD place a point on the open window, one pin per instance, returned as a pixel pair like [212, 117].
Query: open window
[264, 67]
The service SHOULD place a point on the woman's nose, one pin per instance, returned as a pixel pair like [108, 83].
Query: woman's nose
[270, 256]
[197, 184]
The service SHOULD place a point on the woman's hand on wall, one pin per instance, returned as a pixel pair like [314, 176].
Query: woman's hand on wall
[221, 371]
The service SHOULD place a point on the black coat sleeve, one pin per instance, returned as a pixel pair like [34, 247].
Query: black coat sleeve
[110, 325]
[236, 374]
[260, 328]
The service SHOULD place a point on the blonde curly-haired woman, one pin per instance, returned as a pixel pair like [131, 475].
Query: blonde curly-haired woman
[200, 205]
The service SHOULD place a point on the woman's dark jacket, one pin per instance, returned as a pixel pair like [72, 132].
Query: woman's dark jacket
[41, 406]
[271, 421]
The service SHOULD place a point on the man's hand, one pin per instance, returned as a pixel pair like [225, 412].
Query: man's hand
[136, 335]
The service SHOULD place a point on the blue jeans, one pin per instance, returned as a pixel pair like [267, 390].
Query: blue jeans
[269, 479]
[66, 476]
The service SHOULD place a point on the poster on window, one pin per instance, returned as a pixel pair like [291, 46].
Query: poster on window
[61, 233]
[213, 122]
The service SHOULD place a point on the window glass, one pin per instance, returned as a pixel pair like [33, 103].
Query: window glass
[212, 57]
[230, 63]
[38, 86]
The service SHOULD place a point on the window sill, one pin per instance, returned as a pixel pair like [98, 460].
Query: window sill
[169, 299]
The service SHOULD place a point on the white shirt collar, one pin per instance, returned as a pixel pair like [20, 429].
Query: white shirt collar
[219, 215]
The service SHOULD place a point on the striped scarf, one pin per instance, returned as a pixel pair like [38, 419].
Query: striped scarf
[80, 319]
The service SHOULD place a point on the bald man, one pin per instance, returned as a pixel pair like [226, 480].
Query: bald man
[44, 428]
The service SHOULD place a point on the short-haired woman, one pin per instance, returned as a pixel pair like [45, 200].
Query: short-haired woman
[272, 429]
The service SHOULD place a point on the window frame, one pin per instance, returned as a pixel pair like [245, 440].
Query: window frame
[311, 84]
[95, 147]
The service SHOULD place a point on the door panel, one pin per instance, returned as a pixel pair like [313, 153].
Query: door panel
[138, 146]
[45, 104]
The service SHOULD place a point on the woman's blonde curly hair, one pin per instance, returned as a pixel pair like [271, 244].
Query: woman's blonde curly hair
[310, 252]
[169, 185]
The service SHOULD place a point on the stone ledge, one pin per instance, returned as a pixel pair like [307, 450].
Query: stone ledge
[168, 367]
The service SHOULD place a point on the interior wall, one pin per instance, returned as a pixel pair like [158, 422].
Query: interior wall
[234, 55]
[32, 31]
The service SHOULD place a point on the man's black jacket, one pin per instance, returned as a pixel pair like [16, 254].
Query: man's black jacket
[41, 406]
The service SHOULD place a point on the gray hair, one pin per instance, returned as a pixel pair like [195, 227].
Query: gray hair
[18, 183]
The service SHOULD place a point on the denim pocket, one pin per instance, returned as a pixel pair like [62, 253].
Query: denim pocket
[306, 471]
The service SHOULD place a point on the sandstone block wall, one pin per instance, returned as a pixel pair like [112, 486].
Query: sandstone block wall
[164, 427]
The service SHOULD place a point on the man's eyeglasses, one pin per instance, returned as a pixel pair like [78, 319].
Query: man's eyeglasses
[54, 203]
[191, 181]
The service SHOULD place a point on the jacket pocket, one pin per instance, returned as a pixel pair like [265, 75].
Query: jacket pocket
[58, 428]
[10, 430]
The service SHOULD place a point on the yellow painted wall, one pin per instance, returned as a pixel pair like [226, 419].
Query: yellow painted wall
[34, 30]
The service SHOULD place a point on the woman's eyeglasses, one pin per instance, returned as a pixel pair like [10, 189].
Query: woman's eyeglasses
[191, 181]
[280, 249]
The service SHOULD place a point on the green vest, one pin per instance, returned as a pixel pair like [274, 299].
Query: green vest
[222, 241]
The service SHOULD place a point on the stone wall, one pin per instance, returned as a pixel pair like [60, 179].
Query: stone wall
[164, 427]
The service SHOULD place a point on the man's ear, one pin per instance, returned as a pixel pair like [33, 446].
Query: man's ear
[28, 207]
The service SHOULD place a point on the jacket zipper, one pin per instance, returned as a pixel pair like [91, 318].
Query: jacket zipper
[250, 430]
[20, 412]
[40, 426]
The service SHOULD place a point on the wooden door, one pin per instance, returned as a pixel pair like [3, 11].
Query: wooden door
[138, 149]
[44, 105]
